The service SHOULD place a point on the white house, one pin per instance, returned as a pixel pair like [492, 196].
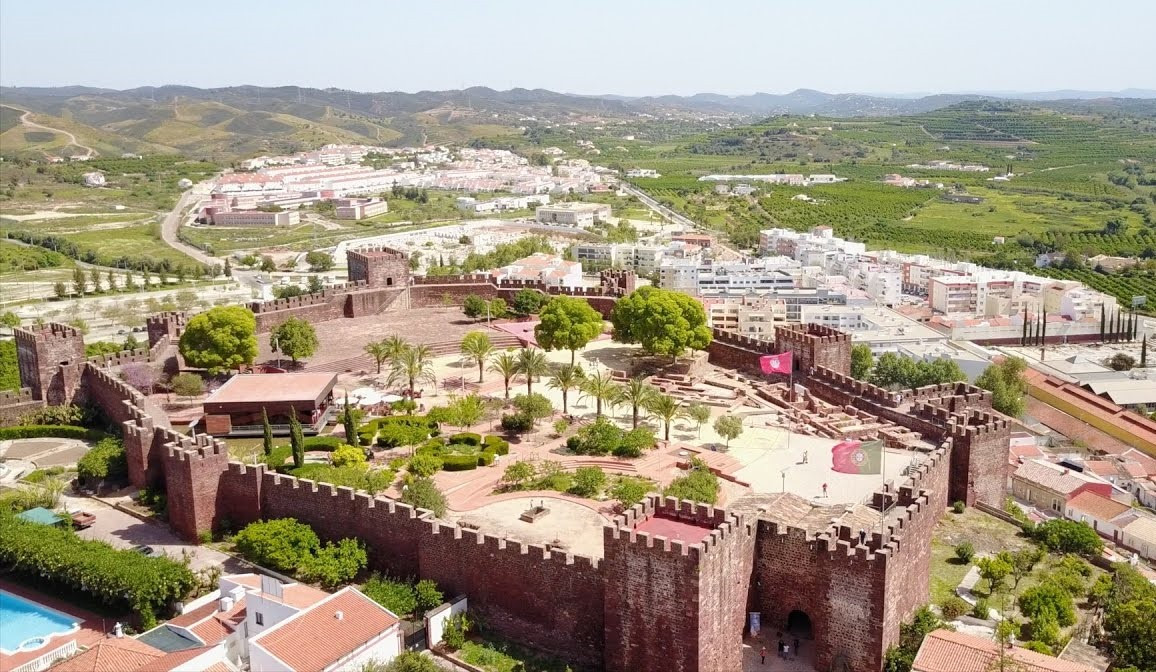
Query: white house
[94, 179]
[1097, 511]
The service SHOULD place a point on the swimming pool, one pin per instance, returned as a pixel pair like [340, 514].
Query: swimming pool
[27, 626]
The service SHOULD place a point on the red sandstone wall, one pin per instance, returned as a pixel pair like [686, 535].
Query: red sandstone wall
[550, 601]
[192, 479]
[14, 405]
[392, 531]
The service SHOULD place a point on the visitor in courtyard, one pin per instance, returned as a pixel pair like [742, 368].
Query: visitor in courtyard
[780, 649]
[763, 655]
[824, 489]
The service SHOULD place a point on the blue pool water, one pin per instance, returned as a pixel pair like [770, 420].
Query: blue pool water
[26, 625]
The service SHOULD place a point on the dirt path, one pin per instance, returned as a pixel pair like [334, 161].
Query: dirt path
[89, 151]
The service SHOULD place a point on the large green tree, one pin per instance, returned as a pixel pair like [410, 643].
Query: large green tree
[897, 371]
[221, 338]
[294, 337]
[1006, 383]
[567, 323]
[861, 361]
[661, 321]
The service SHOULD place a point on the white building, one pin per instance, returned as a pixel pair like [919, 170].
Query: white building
[360, 208]
[240, 218]
[94, 179]
[642, 172]
[258, 623]
[549, 269]
[573, 214]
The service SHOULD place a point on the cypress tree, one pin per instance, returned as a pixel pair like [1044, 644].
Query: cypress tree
[1119, 327]
[1103, 323]
[1130, 317]
[1024, 336]
[268, 438]
[350, 426]
[296, 439]
[1144, 352]
[1044, 329]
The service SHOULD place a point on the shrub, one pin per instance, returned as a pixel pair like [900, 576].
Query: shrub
[454, 462]
[954, 607]
[981, 609]
[628, 491]
[598, 438]
[1038, 647]
[406, 661]
[282, 544]
[699, 484]
[560, 426]
[497, 445]
[455, 630]
[106, 461]
[59, 415]
[425, 465]
[551, 476]
[335, 564]
[116, 578]
[468, 438]
[428, 595]
[965, 552]
[486, 458]
[41, 475]
[518, 473]
[588, 481]
[1068, 536]
[58, 431]
[1047, 600]
[348, 455]
[958, 506]
[635, 442]
[393, 594]
[517, 422]
[424, 494]
[326, 443]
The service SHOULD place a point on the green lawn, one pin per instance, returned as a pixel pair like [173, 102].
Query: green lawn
[987, 534]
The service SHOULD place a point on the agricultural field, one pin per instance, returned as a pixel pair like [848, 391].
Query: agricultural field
[119, 240]
[1072, 175]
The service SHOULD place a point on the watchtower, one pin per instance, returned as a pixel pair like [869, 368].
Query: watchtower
[815, 345]
[378, 267]
[51, 360]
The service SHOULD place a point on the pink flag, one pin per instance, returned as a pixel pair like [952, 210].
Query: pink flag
[776, 363]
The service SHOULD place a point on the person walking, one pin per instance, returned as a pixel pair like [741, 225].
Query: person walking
[763, 655]
[796, 646]
[824, 489]
[780, 649]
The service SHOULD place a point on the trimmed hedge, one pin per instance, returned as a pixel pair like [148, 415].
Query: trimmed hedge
[56, 431]
[497, 445]
[468, 438]
[117, 578]
[455, 462]
[326, 443]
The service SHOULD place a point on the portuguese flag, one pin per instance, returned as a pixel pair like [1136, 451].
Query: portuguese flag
[855, 457]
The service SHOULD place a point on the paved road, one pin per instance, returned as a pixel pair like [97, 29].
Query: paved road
[124, 531]
[657, 207]
[172, 224]
[89, 151]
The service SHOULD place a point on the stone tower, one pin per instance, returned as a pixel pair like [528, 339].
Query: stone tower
[378, 267]
[51, 360]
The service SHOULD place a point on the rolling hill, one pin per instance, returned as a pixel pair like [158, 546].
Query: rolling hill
[231, 122]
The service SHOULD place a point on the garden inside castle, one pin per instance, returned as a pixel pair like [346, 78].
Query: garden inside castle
[604, 478]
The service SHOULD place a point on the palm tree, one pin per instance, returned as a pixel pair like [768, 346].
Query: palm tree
[506, 366]
[411, 365]
[377, 350]
[602, 388]
[567, 377]
[394, 345]
[639, 394]
[477, 348]
[532, 363]
[666, 408]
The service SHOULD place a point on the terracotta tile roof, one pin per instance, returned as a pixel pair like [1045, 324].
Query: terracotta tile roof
[362, 621]
[1052, 477]
[191, 618]
[1134, 469]
[1102, 468]
[111, 655]
[298, 595]
[219, 667]
[1097, 506]
[171, 661]
[1144, 459]
[947, 651]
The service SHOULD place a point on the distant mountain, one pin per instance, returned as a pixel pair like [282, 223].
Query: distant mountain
[246, 120]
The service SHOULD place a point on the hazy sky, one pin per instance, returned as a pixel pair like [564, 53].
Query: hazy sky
[627, 47]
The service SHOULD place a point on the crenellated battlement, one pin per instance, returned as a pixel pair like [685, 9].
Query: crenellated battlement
[377, 252]
[499, 546]
[745, 342]
[324, 297]
[53, 331]
[812, 333]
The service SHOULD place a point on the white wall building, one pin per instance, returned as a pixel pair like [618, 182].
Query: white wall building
[573, 214]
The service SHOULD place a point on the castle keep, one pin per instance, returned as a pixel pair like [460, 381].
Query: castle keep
[675, 581]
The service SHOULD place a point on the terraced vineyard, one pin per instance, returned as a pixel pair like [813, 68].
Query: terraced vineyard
[1123, 285]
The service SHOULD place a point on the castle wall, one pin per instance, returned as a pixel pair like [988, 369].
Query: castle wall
[192, 470]
[51, 361]
[734, 351]
[15, 404]
[550, 600]
[392, 531]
